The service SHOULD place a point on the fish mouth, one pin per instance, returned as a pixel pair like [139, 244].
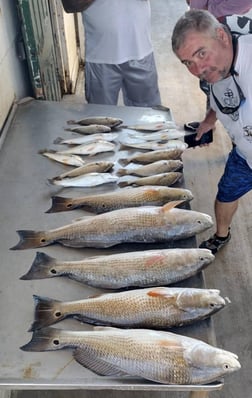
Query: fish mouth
[222, 302]
[217, 307]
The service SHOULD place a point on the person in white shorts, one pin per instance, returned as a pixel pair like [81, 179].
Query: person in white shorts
[119, 53]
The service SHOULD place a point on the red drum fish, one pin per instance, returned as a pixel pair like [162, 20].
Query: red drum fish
[147, 224]
[132, 269]
[159, 308]
[160, 356]
[123, 198]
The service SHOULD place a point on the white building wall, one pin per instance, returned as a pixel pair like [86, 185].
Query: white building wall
[14, 83]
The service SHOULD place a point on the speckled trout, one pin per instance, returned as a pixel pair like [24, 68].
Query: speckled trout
[159, 308]
[69, 159]
[147, 224]
[153, 145]
[165, 179]
[163, 357]
[153, 156]
[86, 139]
[132, 269]
[90, 129]
[90, 149]
[85, 180]
[161, 166]
[92, 167]
[102, 120]
[123, 198]
[161, 135]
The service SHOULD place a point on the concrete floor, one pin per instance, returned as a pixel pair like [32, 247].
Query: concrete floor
[231, 271]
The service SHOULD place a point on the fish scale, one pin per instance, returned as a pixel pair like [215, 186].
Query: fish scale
[153, 156]
[90, 149]
[161, 166]
[160, 307]
[159, 356]
[90, 129]
[98, 120]
[92, 167]
[115, 271]
[165, 179]
[134, 225]
[92, 179]
[123, 198]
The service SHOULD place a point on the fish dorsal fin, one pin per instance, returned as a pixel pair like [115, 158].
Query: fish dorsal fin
[171, 205]
[161, 292]
[98, 366]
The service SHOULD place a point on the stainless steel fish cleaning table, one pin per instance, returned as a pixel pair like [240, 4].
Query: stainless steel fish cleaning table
[24, 197]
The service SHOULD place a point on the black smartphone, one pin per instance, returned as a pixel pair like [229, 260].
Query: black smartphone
[205, 139]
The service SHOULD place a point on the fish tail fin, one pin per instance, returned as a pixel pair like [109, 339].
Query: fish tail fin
[47, 312]
[30, 239]
[122, 172]
[71, 122]
[123, 184]
[52, 181]
[60, 204]
[47, 339]
[43, 266]
[42, 151]
[58, 140]
[123, 146]
[124, 161]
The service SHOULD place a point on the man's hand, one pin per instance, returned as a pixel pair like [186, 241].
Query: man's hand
[203, 128]
[207, 124]
[72, 6]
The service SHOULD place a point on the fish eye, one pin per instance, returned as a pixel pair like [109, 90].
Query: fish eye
[56, 342]
[226, 366]
[53, 271]
[212, 305]
[69, 205]
[58, 314]
[199, 222]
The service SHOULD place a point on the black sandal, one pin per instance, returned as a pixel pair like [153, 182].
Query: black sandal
[215, 243]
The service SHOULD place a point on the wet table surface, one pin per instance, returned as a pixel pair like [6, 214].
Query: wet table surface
[25, 195]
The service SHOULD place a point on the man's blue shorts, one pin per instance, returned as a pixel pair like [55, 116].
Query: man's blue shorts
[236, 180]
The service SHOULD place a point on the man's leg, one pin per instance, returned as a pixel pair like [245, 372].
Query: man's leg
[235, 182]
[140, 82]
[102, 83]
[224, 212]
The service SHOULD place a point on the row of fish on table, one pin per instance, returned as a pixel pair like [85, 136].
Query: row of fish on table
[130, 336]
[96, 139]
